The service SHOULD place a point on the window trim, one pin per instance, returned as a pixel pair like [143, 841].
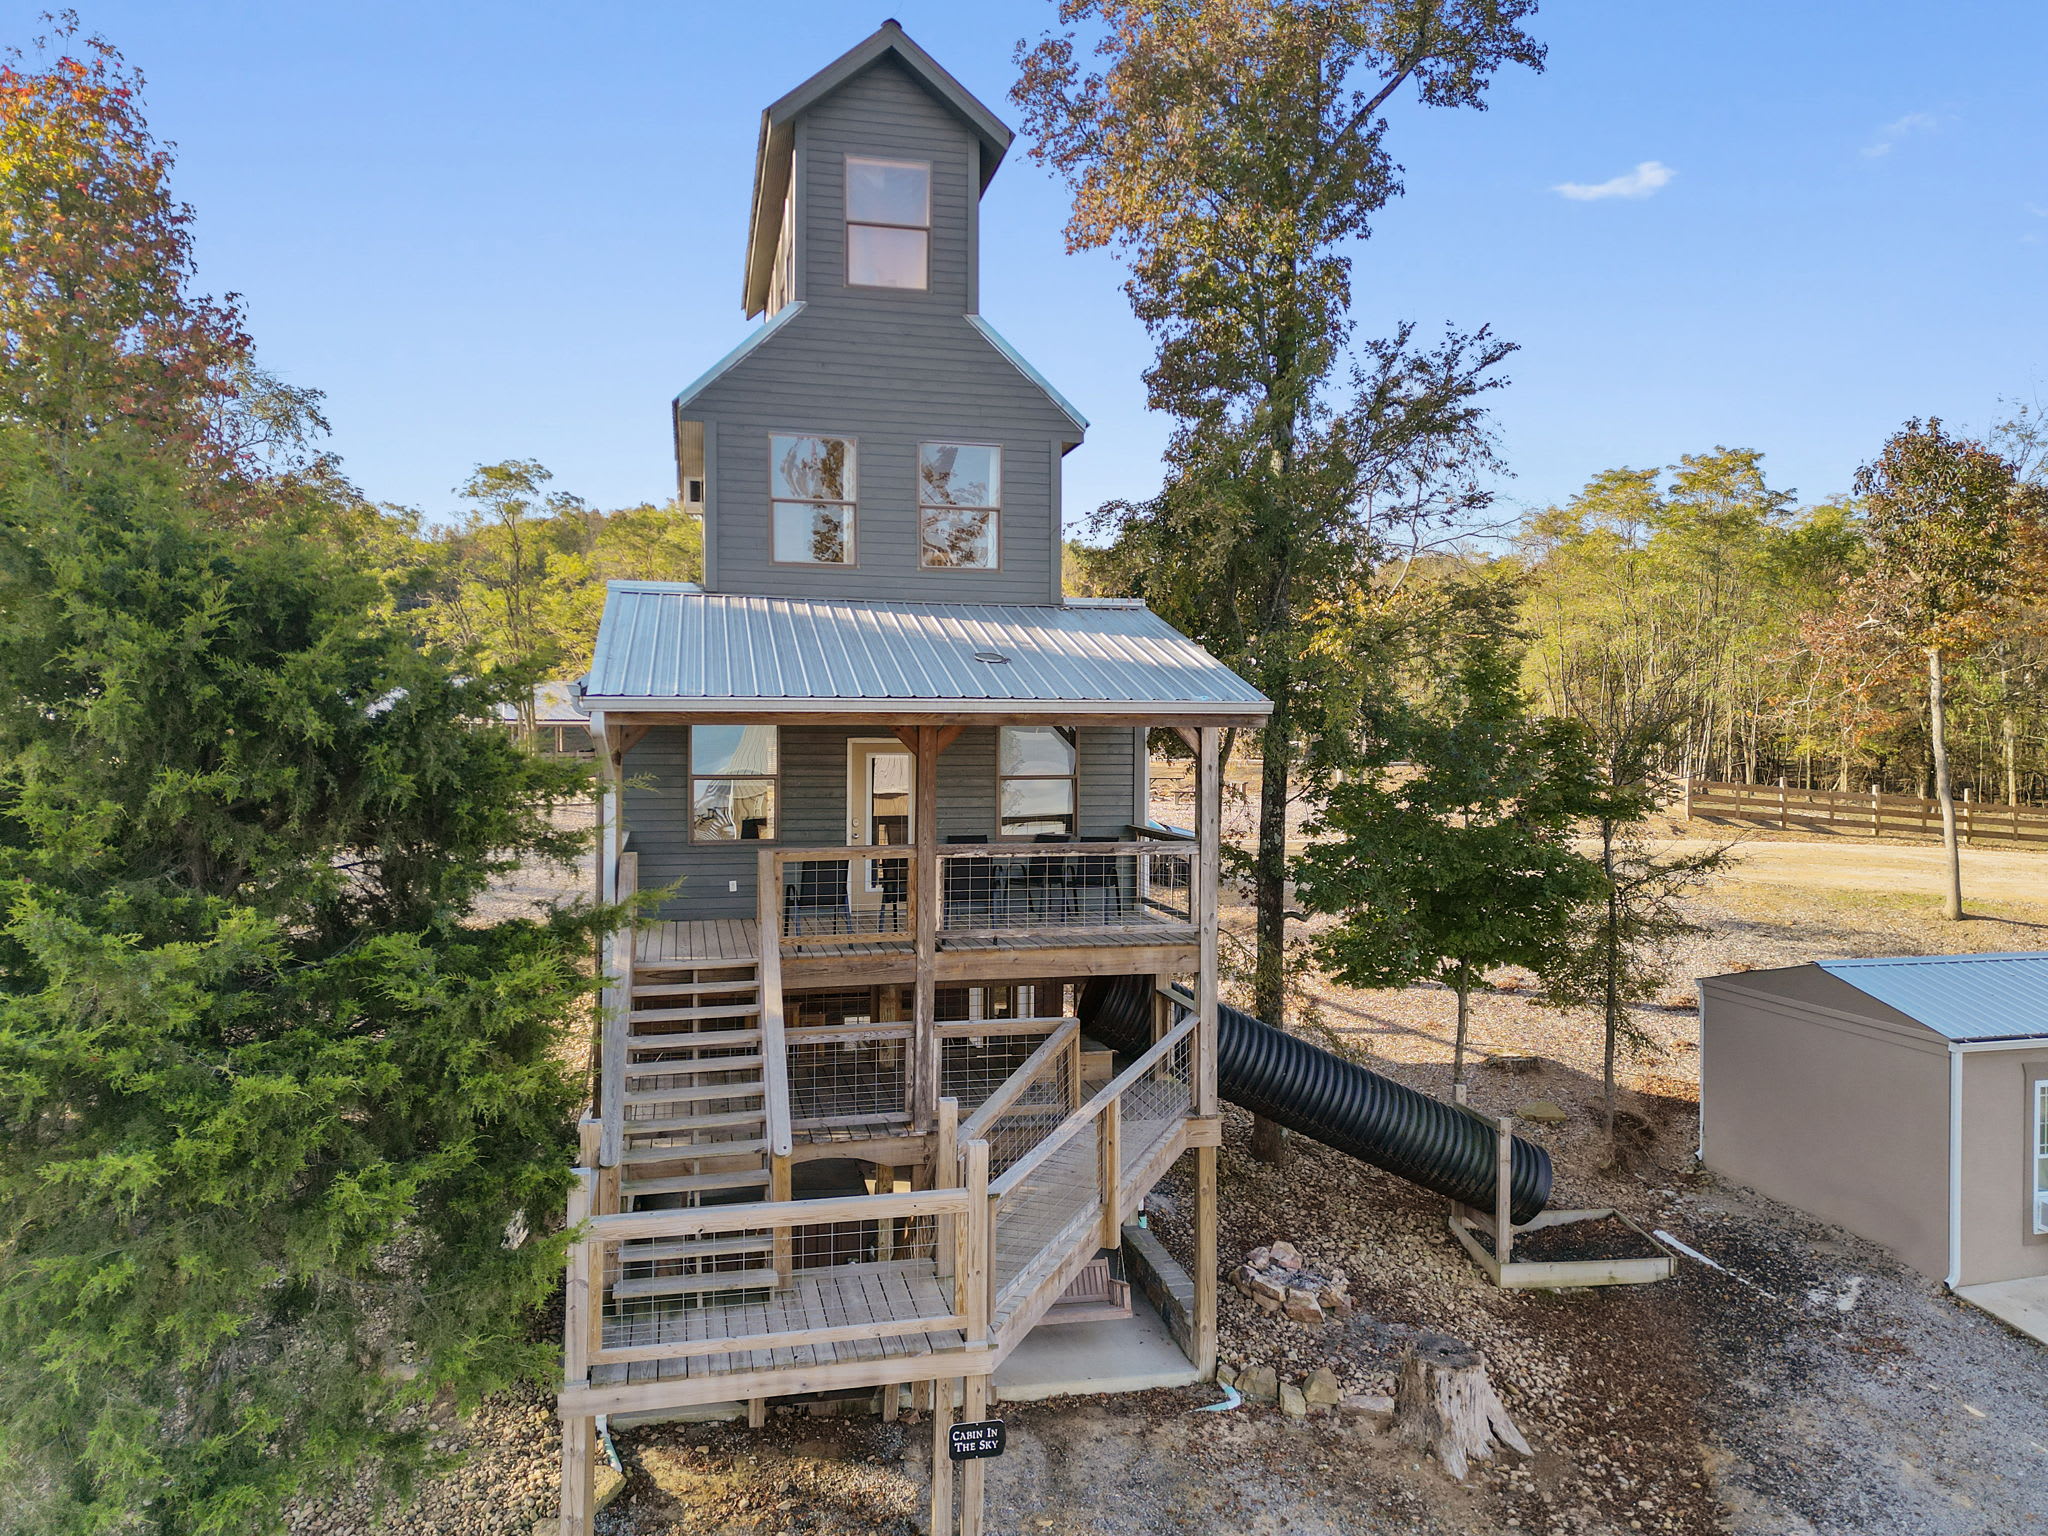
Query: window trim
[995, 512]
[1073, 779]
[692, 778]
[2037, 1149]
[852, 562]
[848, 223]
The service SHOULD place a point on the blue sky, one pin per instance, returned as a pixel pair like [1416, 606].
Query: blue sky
[514, 230]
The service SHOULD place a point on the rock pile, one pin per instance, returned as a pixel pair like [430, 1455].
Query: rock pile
[1275, 1277]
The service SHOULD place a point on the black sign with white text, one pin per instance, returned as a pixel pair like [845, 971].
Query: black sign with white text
[969, 1442]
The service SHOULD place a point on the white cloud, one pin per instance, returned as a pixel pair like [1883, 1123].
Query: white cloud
[1646, 178]
[1905, 127]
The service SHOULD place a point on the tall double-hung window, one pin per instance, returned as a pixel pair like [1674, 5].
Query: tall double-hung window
[2041, 1154]
[732, 783]
[959, 493]
[813, 492]
[888, 223]
[1035, 788]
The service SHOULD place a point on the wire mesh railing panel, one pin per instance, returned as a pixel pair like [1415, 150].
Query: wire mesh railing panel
[841, 1080]
[972, 1069]
[1040, 886]
[683, 1292]
[1034, 1114]
[1156, 1103]
[844, 898]
[1053, 1198]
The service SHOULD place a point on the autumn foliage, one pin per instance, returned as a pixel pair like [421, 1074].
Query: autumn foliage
[97, 320]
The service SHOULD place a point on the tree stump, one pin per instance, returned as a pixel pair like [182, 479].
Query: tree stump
[1445, 1404]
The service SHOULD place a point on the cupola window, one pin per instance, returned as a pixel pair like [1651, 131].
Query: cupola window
[888, 223]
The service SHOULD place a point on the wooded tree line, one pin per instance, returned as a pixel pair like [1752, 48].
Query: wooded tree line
[1702, 594]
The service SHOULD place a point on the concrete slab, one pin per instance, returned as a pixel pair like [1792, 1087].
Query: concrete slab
[1130, 1354]
[2021, 1303]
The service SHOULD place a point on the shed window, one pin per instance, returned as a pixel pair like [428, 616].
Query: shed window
[888, 223]
[1035, 792]
[813, 491]
[2041, 1155]
[959, 490]
[732, 783]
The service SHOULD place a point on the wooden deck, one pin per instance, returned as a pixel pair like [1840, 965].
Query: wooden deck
[736, 941]
[845, 1298]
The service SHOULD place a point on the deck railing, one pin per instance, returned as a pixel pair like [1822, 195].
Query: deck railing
[1074, 1187]
[819, 897]
[1870, 812]
[998, 890]
[681, 1285]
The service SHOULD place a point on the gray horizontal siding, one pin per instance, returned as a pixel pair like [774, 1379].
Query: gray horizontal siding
[883, 112]
[813, 809]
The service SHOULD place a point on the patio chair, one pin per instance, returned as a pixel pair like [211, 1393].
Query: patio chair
[815, 899]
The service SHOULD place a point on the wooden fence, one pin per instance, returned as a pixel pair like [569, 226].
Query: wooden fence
[1869, 813]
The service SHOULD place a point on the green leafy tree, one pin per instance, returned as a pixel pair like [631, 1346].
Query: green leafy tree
[1956, 546]
[277, 1099]
[1448, 851]
[1234, 154]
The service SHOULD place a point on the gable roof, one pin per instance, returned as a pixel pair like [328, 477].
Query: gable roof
[778, 134]
[1960, 997]
[668, 647]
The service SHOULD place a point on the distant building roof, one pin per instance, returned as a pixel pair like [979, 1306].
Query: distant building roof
[553, 704]
[1961, 997]
[668, 646]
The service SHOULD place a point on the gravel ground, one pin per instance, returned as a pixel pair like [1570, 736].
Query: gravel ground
[1809, 1386]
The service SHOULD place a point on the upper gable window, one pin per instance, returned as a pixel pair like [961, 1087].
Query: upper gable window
[959, 491]
[888, 223]
[812, 491]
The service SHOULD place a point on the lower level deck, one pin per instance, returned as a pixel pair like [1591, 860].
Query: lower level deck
[1152, 947]
[843, 1314]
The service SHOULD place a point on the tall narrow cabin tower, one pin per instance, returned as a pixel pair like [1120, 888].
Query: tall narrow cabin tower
[921, 1003]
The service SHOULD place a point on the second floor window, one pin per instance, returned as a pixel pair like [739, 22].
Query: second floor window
[812, 492]
[732, 783]
[888, 223]
[1035, 788]
[959, 490]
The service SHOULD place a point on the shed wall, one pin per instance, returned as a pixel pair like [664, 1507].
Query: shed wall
[1998, 1241]
[1839, 1115]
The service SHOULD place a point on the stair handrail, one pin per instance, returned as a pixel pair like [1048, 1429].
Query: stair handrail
[618, 1012]
[1072, 1125]
[975, 1126]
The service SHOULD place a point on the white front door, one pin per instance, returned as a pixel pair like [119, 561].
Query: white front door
[881, 780]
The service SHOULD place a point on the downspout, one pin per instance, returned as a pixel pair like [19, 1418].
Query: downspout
[1955, 1164]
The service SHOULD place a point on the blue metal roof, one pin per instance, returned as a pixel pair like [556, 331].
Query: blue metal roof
[1961, 997]
[668, 646]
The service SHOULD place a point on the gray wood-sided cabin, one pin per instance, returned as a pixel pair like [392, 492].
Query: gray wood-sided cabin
[882, 790]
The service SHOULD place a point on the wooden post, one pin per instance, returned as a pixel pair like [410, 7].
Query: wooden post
[780, 1180]
[1876, 811]
[1208, 896]
[1077, 1093]
[946, 1175]
[975, 1268]
[757, 1412]
[1784, 819]
[925, 1044]
[1968, 823]
[1504, 1188]
[1110, 1151]
[579, 1431]
[1205, 1261]
[942, 1463]
[973, 1482]
[1685, 797]
[579, 1474]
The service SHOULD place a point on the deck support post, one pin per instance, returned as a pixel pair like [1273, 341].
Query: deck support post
[973, 1479]
[942, 1462]
[579, 1337]
[1207, 898]
[1205, 1262]
[579, 1474]
[925, 897]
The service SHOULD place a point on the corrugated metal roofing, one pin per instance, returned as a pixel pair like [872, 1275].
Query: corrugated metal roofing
[1962, 997]
[664, 643]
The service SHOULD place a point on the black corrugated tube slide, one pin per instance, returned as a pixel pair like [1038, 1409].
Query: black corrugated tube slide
[1339, 1103]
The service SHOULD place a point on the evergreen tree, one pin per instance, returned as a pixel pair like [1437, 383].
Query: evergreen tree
[1448, 852]
[277, 1104]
